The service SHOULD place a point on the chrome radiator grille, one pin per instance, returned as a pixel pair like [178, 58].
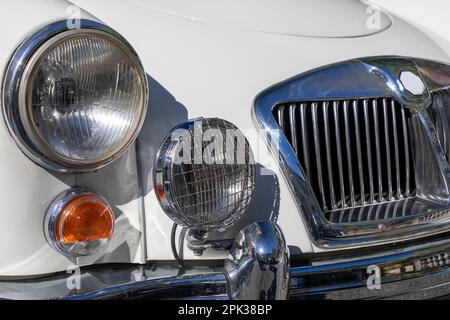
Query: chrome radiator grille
[353, 152]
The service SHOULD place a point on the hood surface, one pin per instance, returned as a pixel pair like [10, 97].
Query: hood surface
[311, 18]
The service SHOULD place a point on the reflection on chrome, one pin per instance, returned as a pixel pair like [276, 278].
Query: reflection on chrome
[384, 211]
[258, 266]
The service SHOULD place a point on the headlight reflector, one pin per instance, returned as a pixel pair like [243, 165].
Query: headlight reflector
[80, 100]
[204, 175]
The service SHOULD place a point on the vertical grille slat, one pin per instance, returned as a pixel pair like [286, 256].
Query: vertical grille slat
[339, 152]
[354, 152]
[369, 151]
[377, 149]
[396, 151]
[388, 148]
[349, 153]
[293, 126]
[359, 152]
[328, 152]
[318, 154]
[305, 137]
[280, 118]
[407, 156]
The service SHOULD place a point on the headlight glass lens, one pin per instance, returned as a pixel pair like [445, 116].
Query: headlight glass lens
[85, 97]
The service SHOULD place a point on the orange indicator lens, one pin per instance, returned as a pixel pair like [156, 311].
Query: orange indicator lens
[85, 218]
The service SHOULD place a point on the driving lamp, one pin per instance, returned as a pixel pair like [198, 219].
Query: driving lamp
[204, 174]
[75, 100]
[79, 223]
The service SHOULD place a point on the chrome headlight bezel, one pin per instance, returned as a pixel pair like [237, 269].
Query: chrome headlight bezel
[16, 81]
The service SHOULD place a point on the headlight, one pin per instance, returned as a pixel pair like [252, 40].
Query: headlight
[204, 175]
[75, 99]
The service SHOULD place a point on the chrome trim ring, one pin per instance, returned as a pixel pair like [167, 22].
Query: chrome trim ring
[13, 99]
[162, 163]
[370, 77]
[54, 211]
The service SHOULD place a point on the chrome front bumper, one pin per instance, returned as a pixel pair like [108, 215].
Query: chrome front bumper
[418, 271]
[257, 270]
[122, 282]
[344, 280]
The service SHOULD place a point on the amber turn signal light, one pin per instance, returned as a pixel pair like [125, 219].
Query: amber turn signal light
[85, 218]
[79, 222]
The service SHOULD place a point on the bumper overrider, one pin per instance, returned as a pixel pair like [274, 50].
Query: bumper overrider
[258, 268]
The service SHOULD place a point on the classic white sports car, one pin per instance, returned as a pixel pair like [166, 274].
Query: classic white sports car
[222, 149]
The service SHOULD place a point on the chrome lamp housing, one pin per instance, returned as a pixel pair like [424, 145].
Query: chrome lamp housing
[74, 99]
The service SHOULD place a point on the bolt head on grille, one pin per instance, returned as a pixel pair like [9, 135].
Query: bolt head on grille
[204, 175]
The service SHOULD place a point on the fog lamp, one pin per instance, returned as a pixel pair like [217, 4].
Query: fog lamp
[204, 175]
[79, 223]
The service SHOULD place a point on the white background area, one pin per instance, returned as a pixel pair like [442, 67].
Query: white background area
[432, 14]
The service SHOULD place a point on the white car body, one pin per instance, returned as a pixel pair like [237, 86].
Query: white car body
[202, 58]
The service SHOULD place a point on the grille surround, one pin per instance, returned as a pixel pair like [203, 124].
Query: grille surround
[366, 78]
